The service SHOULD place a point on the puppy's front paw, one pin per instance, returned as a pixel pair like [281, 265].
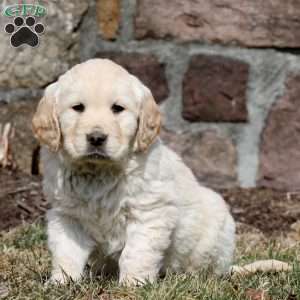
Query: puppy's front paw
[128, 281]
[132, 280]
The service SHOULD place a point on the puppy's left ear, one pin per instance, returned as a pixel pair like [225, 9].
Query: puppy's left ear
[149, 122]
[45, 124]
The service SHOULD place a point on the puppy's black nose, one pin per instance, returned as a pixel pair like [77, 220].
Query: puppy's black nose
[96, 138]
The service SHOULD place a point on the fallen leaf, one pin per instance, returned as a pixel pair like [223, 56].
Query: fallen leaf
[292, 297]
[265, 266]
[253, 294]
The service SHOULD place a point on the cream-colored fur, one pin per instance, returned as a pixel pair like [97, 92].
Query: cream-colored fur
[139, 206]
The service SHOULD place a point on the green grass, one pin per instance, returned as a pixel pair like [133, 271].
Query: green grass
[25, 266]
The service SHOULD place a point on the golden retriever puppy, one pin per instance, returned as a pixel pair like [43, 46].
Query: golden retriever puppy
[115, 188]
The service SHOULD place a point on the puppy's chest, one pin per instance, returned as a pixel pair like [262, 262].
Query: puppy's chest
[107, 228]
[100, 207]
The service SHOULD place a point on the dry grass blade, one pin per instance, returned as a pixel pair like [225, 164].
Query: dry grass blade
[6, 136]
[3, 291]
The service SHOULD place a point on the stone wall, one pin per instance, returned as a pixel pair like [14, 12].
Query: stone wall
[225, 74]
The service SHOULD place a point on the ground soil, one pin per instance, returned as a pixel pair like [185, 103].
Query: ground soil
[20, 198]
[270, 211]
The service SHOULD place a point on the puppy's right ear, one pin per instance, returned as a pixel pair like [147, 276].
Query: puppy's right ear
[45, 124]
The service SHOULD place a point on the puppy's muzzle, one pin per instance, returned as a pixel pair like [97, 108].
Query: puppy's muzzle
[96, 144]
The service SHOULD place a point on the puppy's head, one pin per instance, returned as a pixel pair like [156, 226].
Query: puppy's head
[97, 112]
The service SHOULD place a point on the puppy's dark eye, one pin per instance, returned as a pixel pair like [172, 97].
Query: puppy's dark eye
[78, 107]
[117, 108]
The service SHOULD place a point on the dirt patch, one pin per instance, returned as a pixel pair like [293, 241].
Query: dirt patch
[268, 210]
[20, 198]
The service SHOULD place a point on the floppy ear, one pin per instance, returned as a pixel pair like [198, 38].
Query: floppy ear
[149, 122]
[45, 123]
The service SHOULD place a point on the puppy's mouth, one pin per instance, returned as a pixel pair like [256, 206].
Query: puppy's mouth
[95, 156]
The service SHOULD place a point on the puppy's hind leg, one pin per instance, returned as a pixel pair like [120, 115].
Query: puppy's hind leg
[226, 247]
[70, 247]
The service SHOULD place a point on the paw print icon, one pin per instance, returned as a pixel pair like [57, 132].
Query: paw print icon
[24, 31]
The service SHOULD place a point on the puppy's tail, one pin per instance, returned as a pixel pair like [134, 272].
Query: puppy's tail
[265, 266]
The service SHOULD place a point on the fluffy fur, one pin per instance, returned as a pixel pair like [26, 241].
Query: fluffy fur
[136, 204]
